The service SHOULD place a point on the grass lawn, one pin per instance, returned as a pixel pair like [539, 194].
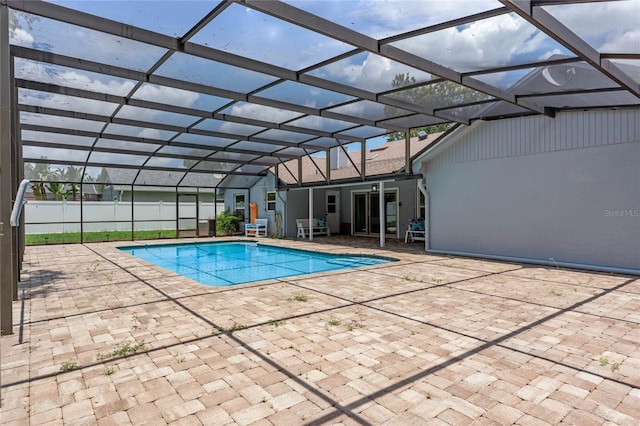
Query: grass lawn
[74, 237]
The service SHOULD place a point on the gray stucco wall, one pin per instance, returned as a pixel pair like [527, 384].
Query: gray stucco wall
[229, 199]
[298, 203]
[539, 188]
[258, 195]
[298, 207]
[407, 194]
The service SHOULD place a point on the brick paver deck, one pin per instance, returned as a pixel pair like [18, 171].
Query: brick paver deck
[103, 338]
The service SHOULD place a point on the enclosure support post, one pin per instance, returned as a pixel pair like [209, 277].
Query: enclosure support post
[198, 212]
[177, 214]
[310, 214]
[20, 166]
[383, 220]
[407, 153]
[6, 247]
[215, 211]
[133, 222]
[81, 211]
[16, 177]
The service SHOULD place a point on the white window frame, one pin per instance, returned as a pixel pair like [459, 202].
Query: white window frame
[270, 205]
[244, 204]
[420, 202]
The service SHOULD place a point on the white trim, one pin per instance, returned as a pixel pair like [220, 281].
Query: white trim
[267, 202]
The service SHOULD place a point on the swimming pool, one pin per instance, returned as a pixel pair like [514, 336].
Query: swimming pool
[228, 263]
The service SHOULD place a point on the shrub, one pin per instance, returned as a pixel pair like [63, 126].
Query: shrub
[226, 223]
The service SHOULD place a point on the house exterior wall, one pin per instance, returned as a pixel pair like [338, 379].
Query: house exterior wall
[229, 200]
[258, 195]
[298, 207]
[566, 189]
[407, 198]
[298, 204]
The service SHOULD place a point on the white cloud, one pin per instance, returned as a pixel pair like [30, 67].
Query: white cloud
[68, 77]
[375, 73]
[383, 18]
[167, 95]
[482, 44]
[55, 155]
[150, 133]
[52, 100]
[256, 112]
[625, 42]
[60, 122]
[21, 37]
[608, 26]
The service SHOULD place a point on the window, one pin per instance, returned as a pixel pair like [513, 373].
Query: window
[420, 204]
[332, 202]
[239, 206]
[271, 201]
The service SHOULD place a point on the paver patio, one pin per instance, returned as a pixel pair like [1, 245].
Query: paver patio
[425, 340]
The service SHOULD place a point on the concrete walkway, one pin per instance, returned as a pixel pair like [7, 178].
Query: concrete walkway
[103, 338]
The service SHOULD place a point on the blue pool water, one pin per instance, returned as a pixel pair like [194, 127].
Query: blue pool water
[220, 264]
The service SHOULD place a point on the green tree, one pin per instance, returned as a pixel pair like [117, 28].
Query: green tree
[38, 173]
[73, 177]
[413, 133]
[58, 190]
[433, 95]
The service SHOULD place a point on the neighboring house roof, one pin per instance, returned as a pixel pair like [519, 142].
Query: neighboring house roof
[572, 83]
[120, 180]
[90, 188]
[386, 159]
[562, 78]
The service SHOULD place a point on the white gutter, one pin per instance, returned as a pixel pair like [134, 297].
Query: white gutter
[597, 268]
[341, 185]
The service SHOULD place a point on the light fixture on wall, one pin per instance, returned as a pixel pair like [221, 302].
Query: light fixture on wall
[374, 187]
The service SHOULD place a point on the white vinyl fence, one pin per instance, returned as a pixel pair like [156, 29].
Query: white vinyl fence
[43, 217]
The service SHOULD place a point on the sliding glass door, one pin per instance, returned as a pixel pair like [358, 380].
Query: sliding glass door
[366, 213]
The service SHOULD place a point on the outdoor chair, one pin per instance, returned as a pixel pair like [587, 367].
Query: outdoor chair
[257, 229]
[415, 231]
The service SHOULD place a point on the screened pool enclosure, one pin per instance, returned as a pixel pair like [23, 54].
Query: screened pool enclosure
[195, 98]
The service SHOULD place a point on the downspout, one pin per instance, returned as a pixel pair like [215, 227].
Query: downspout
[284, 215]
[427, 216]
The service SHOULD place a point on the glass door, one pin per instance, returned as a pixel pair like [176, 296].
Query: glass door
[374, 208]
[390, 213]
[366, 213]
[360, 214]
